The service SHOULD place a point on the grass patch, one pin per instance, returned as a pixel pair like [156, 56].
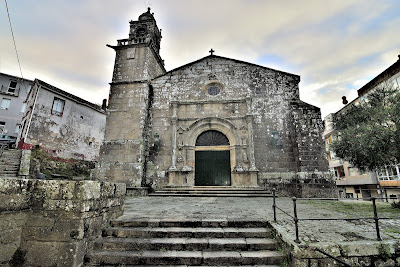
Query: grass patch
[391, 230]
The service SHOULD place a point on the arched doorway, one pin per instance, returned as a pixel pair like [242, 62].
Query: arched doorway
[212, 159]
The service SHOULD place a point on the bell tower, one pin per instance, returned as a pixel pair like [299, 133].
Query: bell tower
[138, 57]
[123, 154]
[145, 30]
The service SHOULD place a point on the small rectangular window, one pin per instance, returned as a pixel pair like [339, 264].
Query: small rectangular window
[23, 107]
[130, 54]
[17, 127]
[58, 107]
[5, 103]
[2, 126]
[12, 86]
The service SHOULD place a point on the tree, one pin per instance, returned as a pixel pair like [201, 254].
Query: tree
[368, 134]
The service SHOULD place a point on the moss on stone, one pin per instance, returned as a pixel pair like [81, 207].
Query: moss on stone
[58, 168]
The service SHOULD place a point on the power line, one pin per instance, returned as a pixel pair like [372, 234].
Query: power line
[15, 47]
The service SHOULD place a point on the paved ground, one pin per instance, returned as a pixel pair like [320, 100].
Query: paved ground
[187, 208]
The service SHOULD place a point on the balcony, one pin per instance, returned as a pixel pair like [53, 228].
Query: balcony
[10, 91]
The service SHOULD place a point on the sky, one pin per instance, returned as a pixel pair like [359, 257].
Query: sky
[334, 46]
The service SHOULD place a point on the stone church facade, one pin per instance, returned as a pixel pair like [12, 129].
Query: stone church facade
[213, 122]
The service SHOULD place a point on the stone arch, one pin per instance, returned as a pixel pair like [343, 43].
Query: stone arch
[217, 124]
[212, 138]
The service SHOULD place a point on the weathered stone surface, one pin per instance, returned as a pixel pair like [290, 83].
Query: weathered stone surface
[25, 163]
[53, 219]
[155, 118]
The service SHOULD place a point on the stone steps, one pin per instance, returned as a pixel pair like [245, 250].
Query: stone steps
[211, 191]
[201, 258]
[188, 232]
[136, 265]
[188, 265]
[9, 162]
[9, 168]
[185, 243]
[188, 244]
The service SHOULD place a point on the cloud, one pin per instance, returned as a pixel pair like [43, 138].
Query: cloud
[335, 46]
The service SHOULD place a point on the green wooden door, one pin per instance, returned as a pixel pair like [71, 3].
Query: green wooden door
[212, 168]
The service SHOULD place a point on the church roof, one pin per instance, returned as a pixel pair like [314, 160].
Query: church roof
[226, 58]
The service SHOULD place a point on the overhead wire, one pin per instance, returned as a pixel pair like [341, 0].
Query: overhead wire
[15, 47]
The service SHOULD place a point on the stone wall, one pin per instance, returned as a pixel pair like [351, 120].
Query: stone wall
[373, 253]
[302, 184]
[53, 221]
[75, 133]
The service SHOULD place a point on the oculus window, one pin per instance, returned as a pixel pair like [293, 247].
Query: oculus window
[214, 88]
[58, 107]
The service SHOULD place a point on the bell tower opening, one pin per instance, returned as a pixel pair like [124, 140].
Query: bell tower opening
[212, 159]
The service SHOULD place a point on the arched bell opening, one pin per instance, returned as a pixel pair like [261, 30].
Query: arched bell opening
[212, 159]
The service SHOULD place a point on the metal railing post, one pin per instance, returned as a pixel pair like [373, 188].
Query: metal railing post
[376, 219]
[296, 220]
[274, 203]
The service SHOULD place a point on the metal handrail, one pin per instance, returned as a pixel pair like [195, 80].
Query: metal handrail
[333, 257]
[296, 219]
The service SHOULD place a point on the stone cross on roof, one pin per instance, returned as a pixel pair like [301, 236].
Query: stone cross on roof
[211, 51]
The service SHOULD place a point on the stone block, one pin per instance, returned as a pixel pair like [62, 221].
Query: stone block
[7, 251]
[87, 190]
[13, 220]
[14, 201]
[12, 235]
[107, 189]
[63, 230]
[120, 189]
[54, 253]
[25, 163]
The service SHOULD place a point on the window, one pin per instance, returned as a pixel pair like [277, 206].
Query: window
[5, 103]
[214, 88]
[58, 107]
[389, 173]
[2, 126]
[12, 87]
[23, 107]
[140, 32]
[17, 127]
[339, 171]
[349, 195]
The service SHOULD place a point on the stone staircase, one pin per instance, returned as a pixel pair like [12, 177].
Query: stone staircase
[212, 191]
[185, 243]
[10, 162]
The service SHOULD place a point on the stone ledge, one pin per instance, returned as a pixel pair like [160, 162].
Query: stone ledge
[358, 250]
[54, 219]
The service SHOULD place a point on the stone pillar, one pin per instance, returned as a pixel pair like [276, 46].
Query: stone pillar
[25, 164]
[253, 169]
[174, 122]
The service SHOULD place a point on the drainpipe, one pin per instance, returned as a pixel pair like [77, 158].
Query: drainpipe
[33, 109]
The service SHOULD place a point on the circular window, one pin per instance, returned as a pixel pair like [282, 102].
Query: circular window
[213, 89]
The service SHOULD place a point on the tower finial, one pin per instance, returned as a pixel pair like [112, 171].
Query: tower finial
[211, 51]
[148, 10]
